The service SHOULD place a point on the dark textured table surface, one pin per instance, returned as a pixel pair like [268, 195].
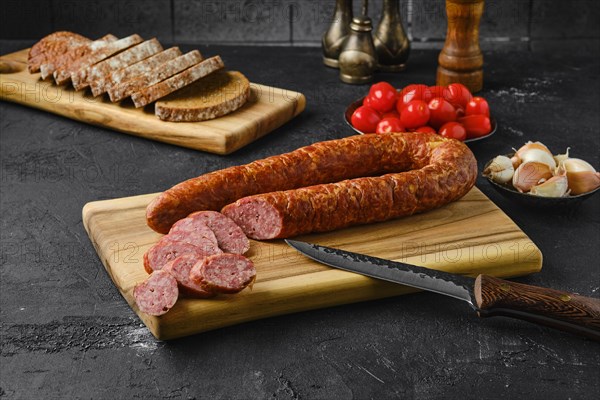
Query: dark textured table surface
[67, 333]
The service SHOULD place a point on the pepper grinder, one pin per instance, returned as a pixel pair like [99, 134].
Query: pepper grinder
[337, 32]
[358, 59]
[461, 61]
[391, 43]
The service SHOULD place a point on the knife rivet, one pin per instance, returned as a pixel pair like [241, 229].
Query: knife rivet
[505, 287]
[565, 297]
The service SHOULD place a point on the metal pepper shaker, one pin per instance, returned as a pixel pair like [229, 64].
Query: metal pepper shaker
[391, 43]
[358, 60]
[337, 32]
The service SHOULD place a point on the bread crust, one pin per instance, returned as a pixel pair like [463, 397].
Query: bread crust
[99, 73]
[51, 47]
[182, 79]
[154, 76]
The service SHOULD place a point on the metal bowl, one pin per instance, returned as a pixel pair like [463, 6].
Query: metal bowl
[353, 106]
[531, 200]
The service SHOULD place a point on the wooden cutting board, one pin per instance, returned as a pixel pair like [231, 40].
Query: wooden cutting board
[469, 236]
[267, 109]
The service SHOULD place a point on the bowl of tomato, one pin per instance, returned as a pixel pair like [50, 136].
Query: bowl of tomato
[450, 111]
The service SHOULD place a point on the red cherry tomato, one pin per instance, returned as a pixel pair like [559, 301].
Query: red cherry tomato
[383, 97]
[415, 114]
[458, 95]
[453, 130]
[392, 114]
[460, 112]
[367, 101]
[388, 125]
[476, 125]
[441, 112]
[478, 106]
[413, 92]
[437, 91]
[365, 119]
[425, 129]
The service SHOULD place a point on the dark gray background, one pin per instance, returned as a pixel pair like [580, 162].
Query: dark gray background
[66, 332]
[521, 24]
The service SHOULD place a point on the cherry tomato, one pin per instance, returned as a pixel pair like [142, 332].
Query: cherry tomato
[476, 125]
[388, 125]
[458, 95]
[441, 112]
[413, 92]
[478, 106]
[393, 114]
[453, 130]
[425, 129]
[415, 114]
[437, 91]
[367, 101]
[365, 119]
[383, 97]
[460, 112]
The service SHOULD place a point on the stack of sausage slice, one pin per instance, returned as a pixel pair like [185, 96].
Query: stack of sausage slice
[200, 257]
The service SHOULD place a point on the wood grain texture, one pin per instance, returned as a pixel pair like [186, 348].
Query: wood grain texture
[461, 61]
[470, 236]
[267, 109]
[555, 308]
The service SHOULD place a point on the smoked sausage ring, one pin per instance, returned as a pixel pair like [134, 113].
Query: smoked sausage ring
[398, 174]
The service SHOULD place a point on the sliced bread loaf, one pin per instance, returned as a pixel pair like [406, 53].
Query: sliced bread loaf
[135, 70]
[182, 79]
[164, 71]
[216, 95]
[49, 68]
[79, 75]
[52, 46]
[98, 73]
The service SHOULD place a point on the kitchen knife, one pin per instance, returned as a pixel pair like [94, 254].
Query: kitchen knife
[489, 296]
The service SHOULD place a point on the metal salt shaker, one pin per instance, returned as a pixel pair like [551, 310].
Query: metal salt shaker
[391, 43]
[337, 32]
[358, 60]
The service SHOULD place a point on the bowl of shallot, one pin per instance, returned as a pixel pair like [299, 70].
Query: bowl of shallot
[536, 177]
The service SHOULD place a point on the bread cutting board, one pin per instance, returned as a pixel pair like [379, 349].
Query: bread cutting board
[267, 109]
[470, 236]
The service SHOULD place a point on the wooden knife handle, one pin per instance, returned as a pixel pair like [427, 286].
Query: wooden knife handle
[561, 310]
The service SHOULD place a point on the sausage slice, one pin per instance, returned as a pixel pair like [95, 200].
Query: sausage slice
[168, 249]
[180, 269]
[230, 237]
[224, 273]
[196, 233]
[157, 294]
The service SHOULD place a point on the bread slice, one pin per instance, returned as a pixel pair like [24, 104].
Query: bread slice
[98, 73]
[135, 70]
[74, 71]
[49, 68]
[154, 76]
[218, 94]
[79, 75]
[182, 79]
[51, 47]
